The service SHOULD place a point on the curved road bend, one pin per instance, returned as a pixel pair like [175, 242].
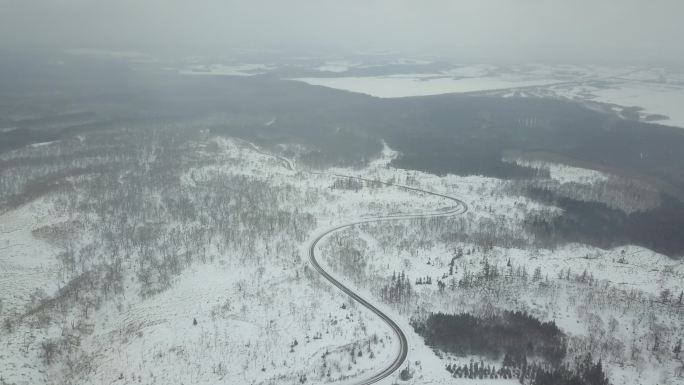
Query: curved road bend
[460, 208]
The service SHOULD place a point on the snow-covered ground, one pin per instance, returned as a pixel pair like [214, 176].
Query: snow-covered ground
[27, 264]
[264, 317]
[395, 86]
[228, 70]
[650, 97]
[654, 91]
[654, 94]
[250, 309]
[564, 173]
[592, 294]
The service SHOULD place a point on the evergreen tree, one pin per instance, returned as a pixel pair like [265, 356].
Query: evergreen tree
[537, 274]
[523, 371]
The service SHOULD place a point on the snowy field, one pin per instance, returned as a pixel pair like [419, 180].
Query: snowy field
[649, 97]
[259, 319]
[397, 86]
[653, 94]
[247, 308]
[653, 91]
[226, 70]
[570, 280]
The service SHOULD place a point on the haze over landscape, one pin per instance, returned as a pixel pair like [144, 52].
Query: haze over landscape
[341, 192]
[616, 32]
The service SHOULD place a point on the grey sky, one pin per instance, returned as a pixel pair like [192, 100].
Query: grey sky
[521, 30]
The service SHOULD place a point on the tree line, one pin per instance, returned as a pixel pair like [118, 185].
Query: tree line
[517, 334]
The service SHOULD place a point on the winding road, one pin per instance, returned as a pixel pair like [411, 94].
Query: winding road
[459, 208]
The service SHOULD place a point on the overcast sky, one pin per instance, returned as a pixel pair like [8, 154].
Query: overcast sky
[621, 31]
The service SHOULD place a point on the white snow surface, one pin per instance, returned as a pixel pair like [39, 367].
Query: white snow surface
[248, 69]
[656, 91]
[248, 315]
[397, 86]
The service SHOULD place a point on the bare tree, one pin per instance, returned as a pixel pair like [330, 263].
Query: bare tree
[49, 350]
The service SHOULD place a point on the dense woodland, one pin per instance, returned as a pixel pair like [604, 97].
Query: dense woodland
[459, 134]
[135, 209]
[140, 204]
[595, 223]
[532, 350]
[583, 372]
[474, 282]
[514, 334]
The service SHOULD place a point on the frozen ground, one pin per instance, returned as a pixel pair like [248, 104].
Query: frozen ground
[27, 264]
[421, 85]
[648, 97]
[263, 317]
[602, 306]
[657, 94]
[652, 94]
[228, 70]
[259, 319]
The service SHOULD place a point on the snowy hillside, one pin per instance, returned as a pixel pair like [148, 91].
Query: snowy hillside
[186, 283]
